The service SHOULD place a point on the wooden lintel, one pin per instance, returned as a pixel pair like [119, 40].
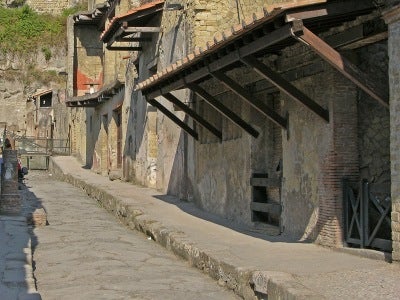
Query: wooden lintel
[285, 86]
[267, 182]
[140, 29]
[123, 48]
[252, 100]
[133, 39]
[343, 65]
[271, 208]
[223, 109]
[174, 118]
[199, 119]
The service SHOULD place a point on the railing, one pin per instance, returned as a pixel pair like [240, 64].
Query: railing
[44, 146]
[367, 213]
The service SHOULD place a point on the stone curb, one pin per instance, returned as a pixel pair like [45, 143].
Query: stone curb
[245, 282]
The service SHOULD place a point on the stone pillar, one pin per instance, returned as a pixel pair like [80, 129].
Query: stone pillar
[10, 202]
[392, 18]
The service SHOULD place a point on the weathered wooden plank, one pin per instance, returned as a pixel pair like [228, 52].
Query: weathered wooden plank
[267, 182]
[271, 208]
[123, 48]
[133, 29]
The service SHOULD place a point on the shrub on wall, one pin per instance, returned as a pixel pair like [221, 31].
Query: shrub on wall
[22, 30]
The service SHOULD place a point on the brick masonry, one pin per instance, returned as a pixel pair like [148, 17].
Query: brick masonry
[392, 17]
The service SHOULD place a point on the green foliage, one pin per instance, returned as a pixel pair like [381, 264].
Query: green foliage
[22, 30]
[47, 53]
[72, 10]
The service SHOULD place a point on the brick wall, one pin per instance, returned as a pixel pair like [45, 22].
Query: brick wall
[392, 17]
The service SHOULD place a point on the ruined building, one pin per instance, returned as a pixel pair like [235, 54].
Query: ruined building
[274, 114]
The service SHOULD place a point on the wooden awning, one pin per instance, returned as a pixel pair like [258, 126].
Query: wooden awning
[132, 27]
[94, 17]
[265, 34]
[95, 99]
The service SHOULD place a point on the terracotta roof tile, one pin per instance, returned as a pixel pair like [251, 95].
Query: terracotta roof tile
[209, 44]
[237, 28]
[218, 38]
[218, 41]
[197, 51]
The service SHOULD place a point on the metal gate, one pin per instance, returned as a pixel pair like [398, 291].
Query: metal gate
[367, 213]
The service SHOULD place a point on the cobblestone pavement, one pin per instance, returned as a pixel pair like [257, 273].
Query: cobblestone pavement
[85, 253]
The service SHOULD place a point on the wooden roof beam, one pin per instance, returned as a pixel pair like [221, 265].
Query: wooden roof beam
[199, 119]
[173, 118]
[124, 48]
[253, 101]
[285, 86]
[141, 29]
[223, 109]
[343, 65]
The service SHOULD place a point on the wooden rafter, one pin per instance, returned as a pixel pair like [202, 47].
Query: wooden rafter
[270, 39]
[199, 119]
[285, 86]
[223, 109]
[174, 118]
[253, 101]
[343, 65]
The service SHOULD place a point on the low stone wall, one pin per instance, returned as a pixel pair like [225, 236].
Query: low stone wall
[10, 202]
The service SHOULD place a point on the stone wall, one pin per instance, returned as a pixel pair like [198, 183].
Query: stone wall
[374, 126]
[23, 76]
[54, 7]
[392, 17]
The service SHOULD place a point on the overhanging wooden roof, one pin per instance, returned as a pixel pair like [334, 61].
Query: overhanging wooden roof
[95, 99]
[123, 27]
[92, 17]
[263, 34]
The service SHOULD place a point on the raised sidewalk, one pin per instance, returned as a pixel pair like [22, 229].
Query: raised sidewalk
[245, 261]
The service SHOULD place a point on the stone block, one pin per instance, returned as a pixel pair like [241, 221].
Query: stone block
[38, 217]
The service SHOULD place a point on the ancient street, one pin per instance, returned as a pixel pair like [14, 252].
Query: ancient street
[85, 253]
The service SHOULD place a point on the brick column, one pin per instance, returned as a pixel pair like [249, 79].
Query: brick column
[10, 202]
[392, 18]
[341, 161]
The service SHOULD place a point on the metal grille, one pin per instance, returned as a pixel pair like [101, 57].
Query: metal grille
[367, 213]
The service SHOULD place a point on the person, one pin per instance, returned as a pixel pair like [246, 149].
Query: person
[7, 144]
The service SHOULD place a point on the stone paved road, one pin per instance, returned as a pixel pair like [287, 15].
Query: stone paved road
[85, 253]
